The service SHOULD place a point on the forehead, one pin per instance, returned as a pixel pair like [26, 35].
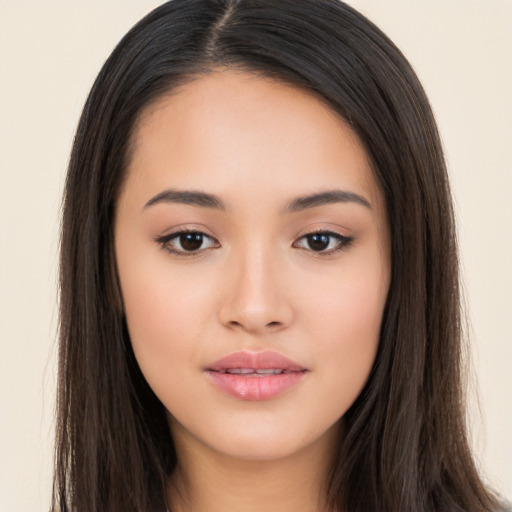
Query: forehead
[231, 126]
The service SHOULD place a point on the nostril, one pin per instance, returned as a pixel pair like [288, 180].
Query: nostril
[235, 323]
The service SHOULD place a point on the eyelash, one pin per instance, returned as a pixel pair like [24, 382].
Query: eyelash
[343, 242]
[166, 240]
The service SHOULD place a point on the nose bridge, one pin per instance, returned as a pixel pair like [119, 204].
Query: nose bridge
[255, 298]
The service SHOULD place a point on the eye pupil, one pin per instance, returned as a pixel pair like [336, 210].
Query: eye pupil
[191, 241]
[318, 242]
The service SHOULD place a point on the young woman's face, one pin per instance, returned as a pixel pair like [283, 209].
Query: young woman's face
[253, 255]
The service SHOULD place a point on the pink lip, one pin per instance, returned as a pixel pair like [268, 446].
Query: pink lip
[262, 385]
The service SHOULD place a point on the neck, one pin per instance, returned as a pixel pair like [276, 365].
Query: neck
[208, 481]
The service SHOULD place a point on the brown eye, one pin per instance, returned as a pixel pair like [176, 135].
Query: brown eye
[187, 243]
[191, 241]
[318, 242]
[324, 242]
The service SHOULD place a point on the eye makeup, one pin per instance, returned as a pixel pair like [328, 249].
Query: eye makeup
[192, 242]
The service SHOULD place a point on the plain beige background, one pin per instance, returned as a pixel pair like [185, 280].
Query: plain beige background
[50, 52]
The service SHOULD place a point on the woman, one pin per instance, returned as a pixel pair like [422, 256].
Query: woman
[259, 287]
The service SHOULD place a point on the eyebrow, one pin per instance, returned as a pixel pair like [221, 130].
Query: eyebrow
[205, 200]
[327, 197]
[189, 197]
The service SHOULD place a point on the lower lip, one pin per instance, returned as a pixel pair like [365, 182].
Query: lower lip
[255, 388]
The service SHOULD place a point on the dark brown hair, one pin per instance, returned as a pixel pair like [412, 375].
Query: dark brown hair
[405, 445]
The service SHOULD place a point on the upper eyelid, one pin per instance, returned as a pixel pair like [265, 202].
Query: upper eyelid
[322, 232]
[164, 239]
[180, 231]
[333, 234]
[323, 227]
[185, 231]
[174, 232]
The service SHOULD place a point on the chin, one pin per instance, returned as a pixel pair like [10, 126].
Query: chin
[258, 439]
[262, 450]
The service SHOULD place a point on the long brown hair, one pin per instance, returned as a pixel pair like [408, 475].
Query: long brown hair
[405, 446]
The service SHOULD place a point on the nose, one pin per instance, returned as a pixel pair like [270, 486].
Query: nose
[256, 298]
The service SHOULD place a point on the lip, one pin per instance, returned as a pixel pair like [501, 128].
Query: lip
[262, 385]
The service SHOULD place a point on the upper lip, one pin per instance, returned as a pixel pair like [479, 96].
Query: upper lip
[257, 361]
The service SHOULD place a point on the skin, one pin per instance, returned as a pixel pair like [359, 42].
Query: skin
[255, 284]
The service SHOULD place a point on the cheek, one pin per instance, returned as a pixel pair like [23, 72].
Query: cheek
[163, 307]
[347, 319]
[348, 303]
[166, 314]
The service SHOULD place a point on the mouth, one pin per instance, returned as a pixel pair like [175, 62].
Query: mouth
[254, 372]
[255, 376]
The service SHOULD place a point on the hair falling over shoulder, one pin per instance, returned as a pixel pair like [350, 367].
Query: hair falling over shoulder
[405, 445]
